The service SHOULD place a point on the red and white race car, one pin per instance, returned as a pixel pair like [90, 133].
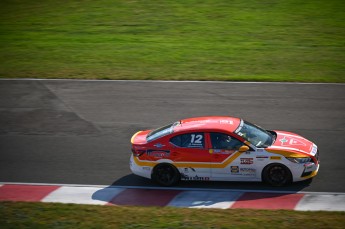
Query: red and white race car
[222, 149]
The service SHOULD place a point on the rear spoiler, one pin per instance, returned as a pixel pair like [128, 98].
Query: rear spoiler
[140, 137]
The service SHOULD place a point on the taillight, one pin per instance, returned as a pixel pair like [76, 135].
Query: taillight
[137, 153]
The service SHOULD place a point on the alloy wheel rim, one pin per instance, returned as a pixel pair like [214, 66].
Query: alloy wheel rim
[165, 175]
[277, 174]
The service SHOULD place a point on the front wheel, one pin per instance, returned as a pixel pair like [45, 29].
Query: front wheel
[277, 175]
[166, 174]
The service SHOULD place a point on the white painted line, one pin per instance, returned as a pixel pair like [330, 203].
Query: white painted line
[313, 202]
[205, 199]
[82, 195]
[169, 81]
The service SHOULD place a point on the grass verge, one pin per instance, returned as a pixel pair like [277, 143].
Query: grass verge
[287, 40]
[44, 215]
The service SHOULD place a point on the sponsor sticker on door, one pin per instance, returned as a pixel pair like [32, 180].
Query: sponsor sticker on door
[246, 161]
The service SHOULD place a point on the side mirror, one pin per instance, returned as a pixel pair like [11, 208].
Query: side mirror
[243, 148]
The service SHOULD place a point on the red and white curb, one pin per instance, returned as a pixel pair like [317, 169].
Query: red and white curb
[186, 198]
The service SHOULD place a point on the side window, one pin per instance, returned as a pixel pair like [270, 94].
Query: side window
[192, 140]
[224, 141]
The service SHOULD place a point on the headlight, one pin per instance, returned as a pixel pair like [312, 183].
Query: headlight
[300, 160]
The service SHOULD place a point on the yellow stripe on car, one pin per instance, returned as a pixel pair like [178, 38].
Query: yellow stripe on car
[286, 154]
[144, 163]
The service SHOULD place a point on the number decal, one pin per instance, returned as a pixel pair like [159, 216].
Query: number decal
[193, 138]
[196, 139]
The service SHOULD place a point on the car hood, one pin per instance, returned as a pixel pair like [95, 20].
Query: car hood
[292, 142]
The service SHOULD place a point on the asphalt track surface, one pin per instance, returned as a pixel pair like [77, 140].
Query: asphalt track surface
[78, 132]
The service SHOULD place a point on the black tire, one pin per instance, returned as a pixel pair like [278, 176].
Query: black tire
[166, 175]
[277, 175]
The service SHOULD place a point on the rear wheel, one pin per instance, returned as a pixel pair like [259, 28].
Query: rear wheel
[166, 174]
[277, 175]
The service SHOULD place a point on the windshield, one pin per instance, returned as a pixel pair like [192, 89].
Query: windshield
[160, 132]
[254, 134]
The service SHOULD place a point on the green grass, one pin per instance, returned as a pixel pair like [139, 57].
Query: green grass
[263, 40]
[44, 215]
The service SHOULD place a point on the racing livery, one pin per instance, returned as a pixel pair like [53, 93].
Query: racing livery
[222, 149]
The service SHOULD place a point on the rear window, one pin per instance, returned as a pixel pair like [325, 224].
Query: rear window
[160, 132]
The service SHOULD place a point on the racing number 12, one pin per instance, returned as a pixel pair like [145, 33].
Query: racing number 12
[196, 139]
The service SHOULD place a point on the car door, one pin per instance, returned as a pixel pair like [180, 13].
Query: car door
[228, 162]
[189, 152]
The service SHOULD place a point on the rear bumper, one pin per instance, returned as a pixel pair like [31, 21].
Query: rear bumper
[143, 171]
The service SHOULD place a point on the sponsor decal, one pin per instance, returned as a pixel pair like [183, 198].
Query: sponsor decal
[314, 150]
[283, 140]
[291, 141]
[230, 122]
[186, 177]
[246, 161]
[158, 153]
[275, 158]
[186, 170]
[261, 157]
[146, 168]
[247, 171]
[234, 169]
[221, 151]
[228, 151]
[158, 145]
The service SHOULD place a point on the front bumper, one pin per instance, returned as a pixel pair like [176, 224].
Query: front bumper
[310, 170]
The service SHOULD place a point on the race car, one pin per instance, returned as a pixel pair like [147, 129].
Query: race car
[222, 149]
